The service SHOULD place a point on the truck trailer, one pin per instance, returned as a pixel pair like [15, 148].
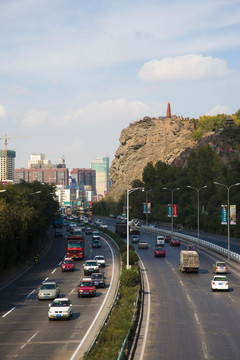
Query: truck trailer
[189, 261]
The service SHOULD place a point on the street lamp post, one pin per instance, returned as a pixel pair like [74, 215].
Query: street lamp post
[147, 206]
[228, 211]
[198, 190]
[172, 191]
[129, 191]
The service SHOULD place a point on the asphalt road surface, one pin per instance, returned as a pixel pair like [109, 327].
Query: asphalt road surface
[25, 331]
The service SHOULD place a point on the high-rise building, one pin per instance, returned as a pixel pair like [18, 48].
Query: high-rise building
[84, 179]
[7, 164]
[101, 166]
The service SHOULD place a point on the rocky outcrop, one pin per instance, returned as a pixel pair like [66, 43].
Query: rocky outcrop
[149, 139]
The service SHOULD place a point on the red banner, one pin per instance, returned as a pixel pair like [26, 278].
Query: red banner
[174, 210]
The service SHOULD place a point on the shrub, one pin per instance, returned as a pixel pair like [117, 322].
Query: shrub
[129, 278]
[133, 258]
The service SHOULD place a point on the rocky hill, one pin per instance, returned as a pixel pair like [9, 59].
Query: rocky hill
[154, 139]
[149, 139]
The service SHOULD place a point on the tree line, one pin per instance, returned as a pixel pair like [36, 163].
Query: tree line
[26, 212]
[203, 168]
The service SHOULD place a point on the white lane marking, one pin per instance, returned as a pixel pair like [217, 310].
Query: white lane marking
[196, 318]
[148, 313]
[9, 311]
[60, 263]
[181, 283]
[31, 293]
[28, 341]
[45, 280]
[53, 271]
[99, 311]
[230, 297]
[72, 291]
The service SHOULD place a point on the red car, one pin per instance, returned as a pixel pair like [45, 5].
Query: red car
[159, 252]
[167, 238]
[175, 242]
[68, 265]
[86, 287]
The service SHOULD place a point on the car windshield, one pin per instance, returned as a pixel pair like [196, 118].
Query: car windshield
[220, 278]
[75, 244]
[221, 264]
[99, 257]
[68, 262]
[91, 263]
[48, 286]
[86, 283]
[60, 303]
[159, 249]
[97, 276]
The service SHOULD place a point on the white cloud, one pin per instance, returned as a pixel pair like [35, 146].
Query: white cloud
[106, 112]
[181, 68]
[2, 111]
[218, 109]
[34, 118]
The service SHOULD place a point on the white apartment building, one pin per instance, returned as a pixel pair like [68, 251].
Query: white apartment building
[38, 161]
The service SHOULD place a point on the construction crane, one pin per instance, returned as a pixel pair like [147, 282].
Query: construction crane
[5, 138]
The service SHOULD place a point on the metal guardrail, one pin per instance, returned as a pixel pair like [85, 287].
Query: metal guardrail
[233, 255]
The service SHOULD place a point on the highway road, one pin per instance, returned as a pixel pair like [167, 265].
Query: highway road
[25, 331]
[183, 319]
[186, 319]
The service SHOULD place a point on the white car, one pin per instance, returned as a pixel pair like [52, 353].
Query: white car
[91, 266]
[100, 259]
[160, 240]
[220, 267]
[60, 308]
[103, 226]
[219, 282]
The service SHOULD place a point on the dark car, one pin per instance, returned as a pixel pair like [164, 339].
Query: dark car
[135, 238]
[175, 242]
[88, 231]
[98, 279]
[96, 243]
[159, 252]
[167, 238]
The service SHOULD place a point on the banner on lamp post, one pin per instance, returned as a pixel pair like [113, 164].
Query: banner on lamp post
[149, 208]
[146, 208]
[174, 210]
[169, 210]
[233, 217]
[224, 214]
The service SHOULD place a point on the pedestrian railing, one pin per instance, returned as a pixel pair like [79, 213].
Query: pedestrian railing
[233, 255]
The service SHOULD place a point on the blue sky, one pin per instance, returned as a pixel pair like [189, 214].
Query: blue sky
[74, 73]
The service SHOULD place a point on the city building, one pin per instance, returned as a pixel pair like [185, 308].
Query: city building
[7, 164]
[84, 179]
[57, 176]
[101, 166]
[38, 161]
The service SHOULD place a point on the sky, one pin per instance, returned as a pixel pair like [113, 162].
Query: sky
[75, 73]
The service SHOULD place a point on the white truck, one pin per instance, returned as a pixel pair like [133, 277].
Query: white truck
[189, 261]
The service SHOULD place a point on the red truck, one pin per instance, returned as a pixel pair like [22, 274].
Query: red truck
[75, 246]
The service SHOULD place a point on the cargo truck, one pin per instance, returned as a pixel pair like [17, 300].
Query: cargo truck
[121, 229]
[189, 261]
[75, 246]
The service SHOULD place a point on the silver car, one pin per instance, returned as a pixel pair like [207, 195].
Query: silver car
[48, 290]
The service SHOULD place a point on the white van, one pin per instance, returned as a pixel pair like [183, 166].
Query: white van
[160, 240]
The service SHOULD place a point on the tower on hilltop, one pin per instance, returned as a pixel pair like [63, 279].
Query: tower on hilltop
[168, 110]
